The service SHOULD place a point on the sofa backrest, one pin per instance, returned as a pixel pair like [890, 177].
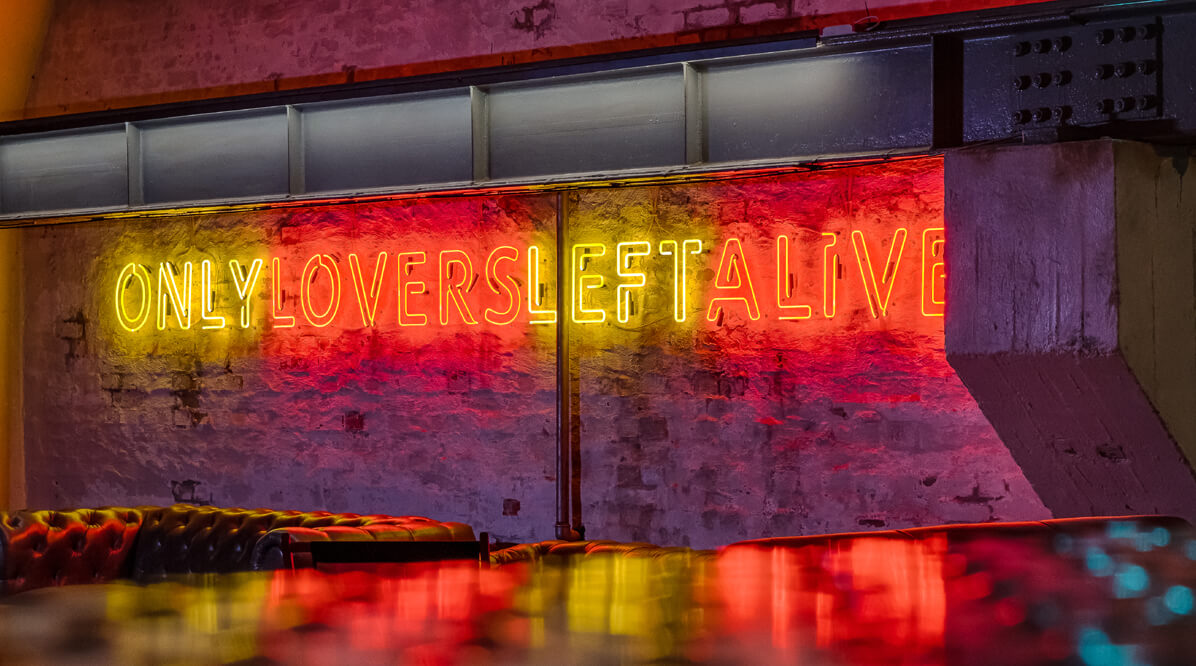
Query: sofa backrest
[203, 539]
[45, 548]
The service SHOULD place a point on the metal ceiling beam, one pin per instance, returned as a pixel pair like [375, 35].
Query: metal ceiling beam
[1048, 72]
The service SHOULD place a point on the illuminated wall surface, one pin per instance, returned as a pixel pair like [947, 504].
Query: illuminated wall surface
[757, 356]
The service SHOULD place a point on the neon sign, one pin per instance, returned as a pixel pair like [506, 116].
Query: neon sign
[420, 288]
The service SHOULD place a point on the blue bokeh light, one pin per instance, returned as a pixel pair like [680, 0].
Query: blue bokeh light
[1179, 599]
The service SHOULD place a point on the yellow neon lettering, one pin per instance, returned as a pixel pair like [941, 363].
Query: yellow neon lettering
[624, 253]
[245, 282]
[277, 296]
[830, 276]
[452, 291]
[877, 302]
[669, 248]
[510, 286]
[733, 275]
[127, 275]
[535, 298]
[934, 273]
[326, 262]
[407, 261]
[207, 298]
[367, 302]
[785, 285]
[582, 283]
[168, 289]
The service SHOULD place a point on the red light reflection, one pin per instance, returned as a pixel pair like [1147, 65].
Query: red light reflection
[868, 600]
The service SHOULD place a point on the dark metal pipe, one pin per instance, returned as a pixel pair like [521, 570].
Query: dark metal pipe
[564, 386]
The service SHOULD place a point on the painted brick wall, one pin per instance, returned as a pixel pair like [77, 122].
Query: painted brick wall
[696, 432]
[121, 53]
[343, 418]
[737, 428]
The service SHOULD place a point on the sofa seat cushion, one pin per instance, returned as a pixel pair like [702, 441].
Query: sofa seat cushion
[49, 548]
[269, 552]
[203, 539]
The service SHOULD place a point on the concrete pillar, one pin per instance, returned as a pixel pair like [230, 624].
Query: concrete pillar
[12, 432]
[1072, 317]
[22, 33]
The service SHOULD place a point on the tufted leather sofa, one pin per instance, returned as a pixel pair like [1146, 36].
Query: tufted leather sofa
[47, 548]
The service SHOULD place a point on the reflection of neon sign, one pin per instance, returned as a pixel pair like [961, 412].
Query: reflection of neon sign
[733, 273]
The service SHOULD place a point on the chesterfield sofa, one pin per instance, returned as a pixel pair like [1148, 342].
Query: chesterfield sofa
[50, 548]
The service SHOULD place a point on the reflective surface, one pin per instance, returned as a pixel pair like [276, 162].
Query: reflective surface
[1123, 595]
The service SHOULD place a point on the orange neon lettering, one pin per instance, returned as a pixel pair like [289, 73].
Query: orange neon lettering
[168, 289]
[207, 298]
[785, 285]
[510, 285]
[130, 273]
[581, 283]
[407, 261]
[245, 281]
[934, 273]
[669, 248]
[830, 276]
[624, 253]
[278, 296]
[310, 271]
[535, 290]
[450, 291]
[367, 302]
[733, 276]
[878, 303]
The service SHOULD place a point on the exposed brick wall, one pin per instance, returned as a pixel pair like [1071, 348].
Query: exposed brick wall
[121, 53]
[737, 427]
[344, 418]
[693, 433]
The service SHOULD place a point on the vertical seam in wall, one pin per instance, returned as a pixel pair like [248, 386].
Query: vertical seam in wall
[479, 115]
[696, 151]
[134, 173]
[296, 155]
